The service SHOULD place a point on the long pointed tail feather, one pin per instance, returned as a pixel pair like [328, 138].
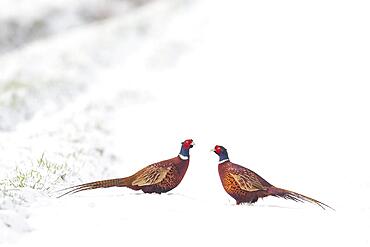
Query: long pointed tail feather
[291, 195]
[117, 182]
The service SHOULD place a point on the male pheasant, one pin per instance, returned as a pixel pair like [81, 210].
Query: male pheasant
[159, 177]
[246, 186]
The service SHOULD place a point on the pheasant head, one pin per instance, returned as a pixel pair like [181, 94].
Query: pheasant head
[185, 147]
[222, 153]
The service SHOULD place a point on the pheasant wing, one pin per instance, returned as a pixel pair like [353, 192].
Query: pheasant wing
[248, 182]
[152, 175]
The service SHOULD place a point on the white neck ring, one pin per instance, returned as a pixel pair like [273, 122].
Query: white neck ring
[183, 157]
[222, 161]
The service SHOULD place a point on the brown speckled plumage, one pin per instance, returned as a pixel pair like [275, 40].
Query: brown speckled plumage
[255, 187]
[159, 177]
[246, 186]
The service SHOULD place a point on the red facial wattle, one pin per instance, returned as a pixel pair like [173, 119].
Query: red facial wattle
[218, 149]
[188, 143]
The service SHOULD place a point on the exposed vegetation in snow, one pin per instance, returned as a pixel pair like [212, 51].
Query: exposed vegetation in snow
[99, 89]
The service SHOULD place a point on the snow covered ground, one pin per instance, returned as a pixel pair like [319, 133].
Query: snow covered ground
[283, 85]
[23, 21]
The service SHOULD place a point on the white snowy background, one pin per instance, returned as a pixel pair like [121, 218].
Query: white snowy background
[98, 89]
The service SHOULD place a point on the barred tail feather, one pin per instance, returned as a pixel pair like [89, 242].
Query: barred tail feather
[117, 182]
[291, 195]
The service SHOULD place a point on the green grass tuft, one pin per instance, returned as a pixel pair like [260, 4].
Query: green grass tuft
[42, 176]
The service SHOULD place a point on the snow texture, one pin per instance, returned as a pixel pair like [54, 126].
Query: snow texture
[283, 85]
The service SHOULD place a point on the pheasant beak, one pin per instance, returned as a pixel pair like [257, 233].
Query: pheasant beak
[212, 150]
[192, 144]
